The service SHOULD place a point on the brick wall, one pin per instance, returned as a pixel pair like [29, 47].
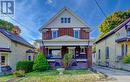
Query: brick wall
[84, 34]
[65, 31]
[46, 35]
[89, 55]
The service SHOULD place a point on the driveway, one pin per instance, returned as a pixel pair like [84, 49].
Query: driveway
[119, 75]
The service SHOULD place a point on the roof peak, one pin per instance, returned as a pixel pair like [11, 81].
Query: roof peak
[61, 11]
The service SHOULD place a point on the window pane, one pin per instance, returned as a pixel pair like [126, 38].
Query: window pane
[69, 20]
[2, 60]
[65, 20]
[29, 57]
[54, 34]
[128, 33]
[76, 34]
[62, 20]
[99, 57]
[55, 53]
[107, 52]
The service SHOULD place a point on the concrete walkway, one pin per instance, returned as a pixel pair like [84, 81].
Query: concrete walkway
[119, 75]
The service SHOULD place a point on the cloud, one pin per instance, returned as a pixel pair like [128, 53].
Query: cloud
[50, 1]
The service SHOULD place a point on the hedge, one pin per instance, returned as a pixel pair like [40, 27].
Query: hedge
[27, 66]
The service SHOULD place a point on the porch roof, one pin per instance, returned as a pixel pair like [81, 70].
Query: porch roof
[66, 41]
[5, 50]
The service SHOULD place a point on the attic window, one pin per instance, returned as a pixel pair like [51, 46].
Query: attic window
[65, 20]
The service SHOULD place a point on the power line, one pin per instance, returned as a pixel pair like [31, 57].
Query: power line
[100, 8]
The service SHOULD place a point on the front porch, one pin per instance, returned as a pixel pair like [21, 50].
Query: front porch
[81, 55]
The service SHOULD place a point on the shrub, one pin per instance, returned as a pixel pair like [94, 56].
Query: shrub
[19, 73]
[126, 59]
[67, 60]
[40, 63]
[25, 65]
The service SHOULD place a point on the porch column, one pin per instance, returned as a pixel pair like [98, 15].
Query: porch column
[89, 55]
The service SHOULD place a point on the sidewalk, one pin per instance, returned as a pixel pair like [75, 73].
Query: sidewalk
[121, 76]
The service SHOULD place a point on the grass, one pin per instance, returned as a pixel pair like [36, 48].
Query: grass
[53, 76]
[4, 78]
[69, 76]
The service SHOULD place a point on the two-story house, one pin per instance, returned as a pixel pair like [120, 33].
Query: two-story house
[63, 32]
[111, 48]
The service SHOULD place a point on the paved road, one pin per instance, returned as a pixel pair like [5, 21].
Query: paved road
[121, 76]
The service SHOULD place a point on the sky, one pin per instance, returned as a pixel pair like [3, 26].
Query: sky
[32, 14]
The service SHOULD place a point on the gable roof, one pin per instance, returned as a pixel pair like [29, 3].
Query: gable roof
[113, 30]
[61, 11]
[15, 38]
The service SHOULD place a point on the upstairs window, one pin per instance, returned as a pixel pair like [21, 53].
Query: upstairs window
[107, 52]
[99, 54]
[54, 34]
[76, 33]
[128, 33]
[65, 20]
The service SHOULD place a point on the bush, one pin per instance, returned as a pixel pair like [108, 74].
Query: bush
[19, 73]
[67, 60]
[40, 63]
[27, 66]
[126, 59]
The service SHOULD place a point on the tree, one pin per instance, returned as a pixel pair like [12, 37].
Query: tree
[40, 63]
[67, 59]
[6, 25]
[113, 21]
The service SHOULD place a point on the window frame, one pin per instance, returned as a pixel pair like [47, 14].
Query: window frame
[53, 57]
[29, 58]
[76, 31]
[54, 34]
[99, 54]
[107, 52]
[128, 33]
[4, 60]
[65, 20]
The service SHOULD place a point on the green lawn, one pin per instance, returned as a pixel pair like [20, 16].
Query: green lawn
[53, 76]
[4, 78]
[69, 76]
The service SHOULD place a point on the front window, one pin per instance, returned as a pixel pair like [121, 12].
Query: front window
[54, 34]
[76, 33]
[2, 60]
[54, 53]
[29, 57]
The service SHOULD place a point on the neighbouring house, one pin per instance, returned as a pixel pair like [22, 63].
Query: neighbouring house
[14, 48]
[111, 48]
[63, 32]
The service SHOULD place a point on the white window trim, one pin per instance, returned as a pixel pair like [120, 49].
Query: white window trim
[56, 33]
[76, 28]
[54, 29]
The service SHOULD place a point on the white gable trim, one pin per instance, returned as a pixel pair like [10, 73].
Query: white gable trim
[60, 12]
